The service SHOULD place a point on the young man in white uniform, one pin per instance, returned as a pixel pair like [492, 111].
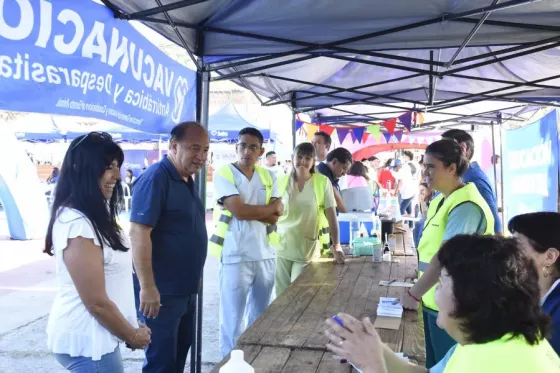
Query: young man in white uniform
[248, 261]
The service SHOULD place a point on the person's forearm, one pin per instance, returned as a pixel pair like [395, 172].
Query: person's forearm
[428, 279]
[253, 212]
[270, 219]
[333, 226]
[142, 257]
[108, 315]
[395, 364]
[339, 202]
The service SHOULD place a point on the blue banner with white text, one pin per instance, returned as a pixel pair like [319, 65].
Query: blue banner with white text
[74, 58]
[530, 167]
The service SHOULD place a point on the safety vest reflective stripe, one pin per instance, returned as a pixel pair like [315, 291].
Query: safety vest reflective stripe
[423, 266]
[271, 228]
[223, 217]
[436, 222]
[217, 240]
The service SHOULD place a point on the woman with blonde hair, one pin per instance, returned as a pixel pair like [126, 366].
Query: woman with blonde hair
[309, 214]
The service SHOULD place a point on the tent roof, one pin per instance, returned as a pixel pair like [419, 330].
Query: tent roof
[41, 127]
[229, 24]
[229, 119]
[432, 55]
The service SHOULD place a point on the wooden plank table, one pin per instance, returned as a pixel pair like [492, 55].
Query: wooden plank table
[289, 335]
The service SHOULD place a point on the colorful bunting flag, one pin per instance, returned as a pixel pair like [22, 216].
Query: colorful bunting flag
[299, 124]
[342, 133]
[327, 129]
[311, 129]
[406, 120]
[399, 135]
[365, 136]
[387, 136]
[390, 125]
[358, 133]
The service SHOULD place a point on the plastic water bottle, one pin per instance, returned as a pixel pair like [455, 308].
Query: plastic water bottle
[237, 364]
[354, 231]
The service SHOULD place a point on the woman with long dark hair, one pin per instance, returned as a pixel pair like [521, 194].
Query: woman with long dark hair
[94, 308]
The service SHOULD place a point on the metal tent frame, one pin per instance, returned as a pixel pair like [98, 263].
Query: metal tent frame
[255, 65]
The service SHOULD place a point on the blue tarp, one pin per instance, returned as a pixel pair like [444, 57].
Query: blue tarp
[74, 58]
[225, 124]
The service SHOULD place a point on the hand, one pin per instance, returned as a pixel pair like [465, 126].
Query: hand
[358, 342]
[408, 302]
[337, 253]
[142, 338]
[150, 302]
[279, 207]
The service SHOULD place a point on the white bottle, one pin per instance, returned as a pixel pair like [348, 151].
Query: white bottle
[237, 364]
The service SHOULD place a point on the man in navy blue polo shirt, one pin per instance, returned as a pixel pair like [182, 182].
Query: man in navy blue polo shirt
[475, 174]
[169, 244]
[337, 164]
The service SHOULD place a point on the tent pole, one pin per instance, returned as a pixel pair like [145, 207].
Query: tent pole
[293, 120]
[493, 160]
[501, 167]
[202, 105]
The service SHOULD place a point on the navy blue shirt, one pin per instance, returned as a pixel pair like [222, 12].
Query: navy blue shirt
[324, 169]
[475, 175]
[163, 200]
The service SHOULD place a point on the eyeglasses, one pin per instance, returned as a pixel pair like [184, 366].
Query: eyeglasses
[252, 148]
[94, 135]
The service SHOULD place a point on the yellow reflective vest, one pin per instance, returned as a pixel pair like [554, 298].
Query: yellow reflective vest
[222, 216]
[319, 186]
[436, 222]
[504, 355]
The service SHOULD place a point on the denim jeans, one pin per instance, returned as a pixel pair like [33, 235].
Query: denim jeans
[172, 333]
[437, 341]
[109, 363]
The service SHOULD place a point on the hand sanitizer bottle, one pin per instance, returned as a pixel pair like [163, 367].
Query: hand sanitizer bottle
[237, 364]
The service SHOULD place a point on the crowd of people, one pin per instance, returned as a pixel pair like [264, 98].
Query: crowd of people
[139, 289]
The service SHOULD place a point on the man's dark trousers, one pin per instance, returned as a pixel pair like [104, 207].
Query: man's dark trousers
[172, 332]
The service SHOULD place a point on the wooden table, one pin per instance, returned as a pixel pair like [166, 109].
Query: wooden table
[289, 335]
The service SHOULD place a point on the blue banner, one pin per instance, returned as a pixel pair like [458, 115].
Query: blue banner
[530, 167]
[74, 58]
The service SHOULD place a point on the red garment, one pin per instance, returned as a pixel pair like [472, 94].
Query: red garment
[385, 175]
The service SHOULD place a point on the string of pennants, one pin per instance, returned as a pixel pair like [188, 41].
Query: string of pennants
[361, 134]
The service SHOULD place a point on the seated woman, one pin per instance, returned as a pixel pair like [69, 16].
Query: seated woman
[538, 235]
[489, 302]
[357, 176]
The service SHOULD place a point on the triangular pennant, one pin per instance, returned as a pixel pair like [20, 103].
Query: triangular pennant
[390, 125]
[374, 130]
[419, 118]
[387, 136]
[399, 135]
[326, 128]
[411, 139]
[352, 136]
[299, 124]
[311, 129]
[358, 133]
[406, 120]
[365, 136]
[342, 133]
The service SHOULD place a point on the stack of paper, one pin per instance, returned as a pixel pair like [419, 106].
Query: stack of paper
[389, 307]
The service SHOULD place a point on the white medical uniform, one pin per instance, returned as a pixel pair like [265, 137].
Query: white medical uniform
[248, 262]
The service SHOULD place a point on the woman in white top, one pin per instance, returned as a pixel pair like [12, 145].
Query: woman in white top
[93, 311]
[299, 227]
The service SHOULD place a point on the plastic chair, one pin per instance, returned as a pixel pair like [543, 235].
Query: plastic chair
[127, 195]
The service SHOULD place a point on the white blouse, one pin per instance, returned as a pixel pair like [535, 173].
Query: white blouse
[71, 328]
